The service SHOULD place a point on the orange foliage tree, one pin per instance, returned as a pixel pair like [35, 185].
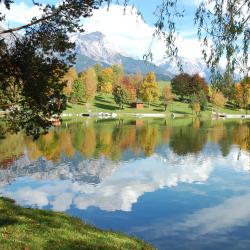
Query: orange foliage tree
[167, 96]
[242, 93]
[127, 83]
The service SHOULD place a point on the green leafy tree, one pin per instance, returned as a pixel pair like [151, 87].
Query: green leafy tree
[180, 85]
[120, 95]
[195, 104]
[203, 100]
[78, 91]
[118, 73]
[98, 69]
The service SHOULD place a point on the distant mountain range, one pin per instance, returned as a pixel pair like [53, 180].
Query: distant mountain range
[95, 47]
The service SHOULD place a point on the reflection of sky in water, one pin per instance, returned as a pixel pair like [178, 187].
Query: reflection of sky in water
[181, 202]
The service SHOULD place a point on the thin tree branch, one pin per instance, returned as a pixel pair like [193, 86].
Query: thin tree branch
[26, 25]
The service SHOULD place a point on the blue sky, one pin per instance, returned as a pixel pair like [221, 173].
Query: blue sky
[146, 8]
[131, 36]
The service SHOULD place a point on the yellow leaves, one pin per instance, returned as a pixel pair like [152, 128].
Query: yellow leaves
[5, 235]
[149, 90]
[242, 93]
[70, 76]
[218, 99]
[105, 84]
[196, 107]
[150, 77]
[90, 83]
[106, 88]
[167, 94]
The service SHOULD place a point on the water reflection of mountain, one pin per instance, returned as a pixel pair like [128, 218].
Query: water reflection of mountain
[76, 169]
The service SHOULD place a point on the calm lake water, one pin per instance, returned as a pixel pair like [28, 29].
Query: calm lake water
[178, 184]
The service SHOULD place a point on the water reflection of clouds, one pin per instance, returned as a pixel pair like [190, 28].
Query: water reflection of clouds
[220, 219]
[127, 183]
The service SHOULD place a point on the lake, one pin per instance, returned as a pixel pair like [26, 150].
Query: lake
[177, 184]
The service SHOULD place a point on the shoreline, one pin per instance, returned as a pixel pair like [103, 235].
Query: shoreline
[28, 228]
[112, 115]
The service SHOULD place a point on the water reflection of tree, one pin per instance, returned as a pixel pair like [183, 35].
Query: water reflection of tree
[147, 138]
[11, 148]
[112, 140]
[189, 139]
[226, 134]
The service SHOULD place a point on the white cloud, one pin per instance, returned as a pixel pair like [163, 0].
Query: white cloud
[218, 219]
[123, 185]
[129, 32]
[29, 197]
[19, 13]
[62, 202]
[133, 35]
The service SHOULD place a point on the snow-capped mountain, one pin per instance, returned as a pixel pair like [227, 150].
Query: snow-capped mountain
[95, 48]
[189, 65]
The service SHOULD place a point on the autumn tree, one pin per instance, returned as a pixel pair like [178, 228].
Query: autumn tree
[128, 84]
[242, 93]
[167, 96]
[105, 83]
[196, 85]
[137, 80]
[90, 83]
[69, 78]
[120, 95]
[149, 90]
[218, 99]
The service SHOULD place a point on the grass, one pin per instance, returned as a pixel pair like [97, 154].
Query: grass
[28, 229]
[105, 103]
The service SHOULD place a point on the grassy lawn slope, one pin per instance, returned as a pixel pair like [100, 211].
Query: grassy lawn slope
[106, 103]
[27, 229]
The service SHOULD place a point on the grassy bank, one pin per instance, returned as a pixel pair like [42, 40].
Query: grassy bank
[105, 103]
[27, 229]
